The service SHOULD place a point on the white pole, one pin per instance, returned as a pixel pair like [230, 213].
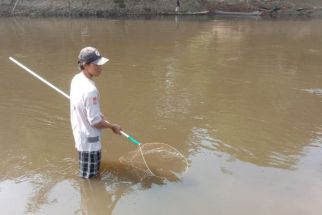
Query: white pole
[39, 77]
[49, 84]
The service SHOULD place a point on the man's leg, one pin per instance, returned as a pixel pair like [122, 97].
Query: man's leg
[89, 163]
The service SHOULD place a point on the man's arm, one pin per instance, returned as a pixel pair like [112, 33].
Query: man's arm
[106, 124]
[94, 115]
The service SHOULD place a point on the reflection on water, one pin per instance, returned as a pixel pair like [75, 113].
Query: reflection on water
[241, 99]
[314, 91]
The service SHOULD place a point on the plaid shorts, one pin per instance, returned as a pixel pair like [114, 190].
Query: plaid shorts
[89, 163]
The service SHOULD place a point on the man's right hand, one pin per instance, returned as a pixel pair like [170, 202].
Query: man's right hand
[116, 129]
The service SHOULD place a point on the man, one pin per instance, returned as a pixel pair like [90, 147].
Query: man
[86, 118]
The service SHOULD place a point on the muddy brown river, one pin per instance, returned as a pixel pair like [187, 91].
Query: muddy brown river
[241, 99]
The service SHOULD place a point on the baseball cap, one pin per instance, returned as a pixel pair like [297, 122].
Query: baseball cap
[91, 55]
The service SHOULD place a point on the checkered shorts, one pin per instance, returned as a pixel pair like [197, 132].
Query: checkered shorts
[89, 163]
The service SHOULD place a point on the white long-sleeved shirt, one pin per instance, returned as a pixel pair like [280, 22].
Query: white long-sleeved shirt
[84, 113]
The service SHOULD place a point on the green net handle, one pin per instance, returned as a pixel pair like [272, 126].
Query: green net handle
[132, 139]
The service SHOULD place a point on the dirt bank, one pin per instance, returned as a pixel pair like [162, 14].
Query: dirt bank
[104, 8]
[273, 8]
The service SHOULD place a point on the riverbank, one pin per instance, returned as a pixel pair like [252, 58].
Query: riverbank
[103, 8]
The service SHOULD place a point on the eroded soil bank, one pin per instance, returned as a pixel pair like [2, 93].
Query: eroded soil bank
[104, 8]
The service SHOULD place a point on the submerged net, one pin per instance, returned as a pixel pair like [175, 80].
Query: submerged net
[157, 159]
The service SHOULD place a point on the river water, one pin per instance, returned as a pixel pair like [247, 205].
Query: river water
[240, 99]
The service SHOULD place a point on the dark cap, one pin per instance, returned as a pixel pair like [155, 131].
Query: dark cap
[91, 55]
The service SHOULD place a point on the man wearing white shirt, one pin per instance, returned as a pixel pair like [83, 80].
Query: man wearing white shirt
[86, 118]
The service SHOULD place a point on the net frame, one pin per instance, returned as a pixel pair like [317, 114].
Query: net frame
[137, 159]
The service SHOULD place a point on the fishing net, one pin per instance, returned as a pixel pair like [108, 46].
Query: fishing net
[157, 159]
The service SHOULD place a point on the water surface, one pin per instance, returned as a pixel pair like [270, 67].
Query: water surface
[240, 99]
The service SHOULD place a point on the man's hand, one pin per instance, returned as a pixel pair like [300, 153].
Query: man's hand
[116, 129]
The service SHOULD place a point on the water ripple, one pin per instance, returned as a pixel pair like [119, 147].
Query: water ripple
[40, 111]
